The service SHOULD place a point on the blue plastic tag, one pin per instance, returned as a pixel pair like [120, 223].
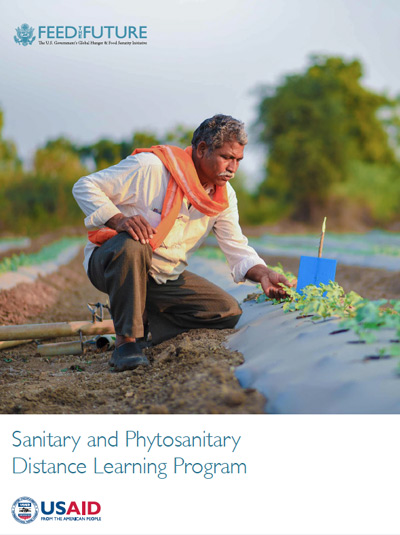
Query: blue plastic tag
[314, 270]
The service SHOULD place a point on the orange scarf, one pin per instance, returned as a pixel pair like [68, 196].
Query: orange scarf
[184, 181]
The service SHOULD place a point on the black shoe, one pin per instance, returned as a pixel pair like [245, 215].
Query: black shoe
[128, 357]
[143, 343]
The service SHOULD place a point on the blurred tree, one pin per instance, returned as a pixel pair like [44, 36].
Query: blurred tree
[313, 125]
[58, 160]
[105, 152]
[180, 136]
[62, 143]
[11, 172]
[143, 140]
[47, 189]
[10, 164]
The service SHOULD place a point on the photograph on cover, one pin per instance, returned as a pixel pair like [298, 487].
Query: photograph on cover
[199, 207]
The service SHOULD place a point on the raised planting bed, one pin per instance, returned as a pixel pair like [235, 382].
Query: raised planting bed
[375, 249]
[27, 267]
[7, 244]
[317, 354]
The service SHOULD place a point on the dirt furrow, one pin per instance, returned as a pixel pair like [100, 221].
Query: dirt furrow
[192, 373]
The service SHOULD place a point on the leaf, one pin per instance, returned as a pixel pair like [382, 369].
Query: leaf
[352, 298]
[395, 350]
[395, 304]
[368, 337]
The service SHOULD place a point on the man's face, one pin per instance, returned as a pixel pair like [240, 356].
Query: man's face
[218, 167]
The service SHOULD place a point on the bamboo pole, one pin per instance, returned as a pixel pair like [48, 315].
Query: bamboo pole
[13, 343]
[61, 348]
[54, 330]
[321, 241]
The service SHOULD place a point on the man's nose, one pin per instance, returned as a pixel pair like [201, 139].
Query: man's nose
[232, 166]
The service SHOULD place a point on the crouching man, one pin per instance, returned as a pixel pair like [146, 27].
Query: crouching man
[146, 216]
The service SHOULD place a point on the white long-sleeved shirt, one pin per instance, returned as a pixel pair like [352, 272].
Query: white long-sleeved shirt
[137, 186]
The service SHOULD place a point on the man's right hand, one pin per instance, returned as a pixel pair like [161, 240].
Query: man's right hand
[136, 226]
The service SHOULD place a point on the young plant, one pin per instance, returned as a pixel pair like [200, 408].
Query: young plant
[366, 318]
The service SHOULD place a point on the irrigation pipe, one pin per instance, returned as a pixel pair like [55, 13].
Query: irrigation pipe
[38, 331]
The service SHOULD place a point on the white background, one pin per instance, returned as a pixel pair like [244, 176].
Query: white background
[305, 475]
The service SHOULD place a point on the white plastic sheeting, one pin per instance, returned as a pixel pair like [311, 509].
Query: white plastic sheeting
[298, 365]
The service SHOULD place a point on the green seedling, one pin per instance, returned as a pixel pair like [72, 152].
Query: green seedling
[76, 368]
[382, 352]
[395, 350]
[46, 254]
[364, 317]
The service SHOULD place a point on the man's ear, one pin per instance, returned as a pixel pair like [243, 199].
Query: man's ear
[201, 149]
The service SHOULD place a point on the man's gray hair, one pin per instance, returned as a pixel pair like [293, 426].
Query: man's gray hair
[218, 130]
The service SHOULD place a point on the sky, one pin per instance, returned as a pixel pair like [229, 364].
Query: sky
[202, 57]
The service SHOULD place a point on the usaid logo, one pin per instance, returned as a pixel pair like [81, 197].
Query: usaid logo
[25, 510]
[24, 35]
[79, 509]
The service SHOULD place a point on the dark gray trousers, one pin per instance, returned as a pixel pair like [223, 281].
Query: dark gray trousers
[120, 269]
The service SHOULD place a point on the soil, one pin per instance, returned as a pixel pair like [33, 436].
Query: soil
[192, 373]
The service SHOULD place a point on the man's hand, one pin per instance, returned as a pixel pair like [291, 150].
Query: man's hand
[271, 285]
[136, 226]
[270, 281]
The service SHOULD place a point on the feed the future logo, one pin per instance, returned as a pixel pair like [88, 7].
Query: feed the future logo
[24, 35]
[81, 35]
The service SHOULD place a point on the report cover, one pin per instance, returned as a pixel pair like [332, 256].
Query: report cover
[260, 424]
